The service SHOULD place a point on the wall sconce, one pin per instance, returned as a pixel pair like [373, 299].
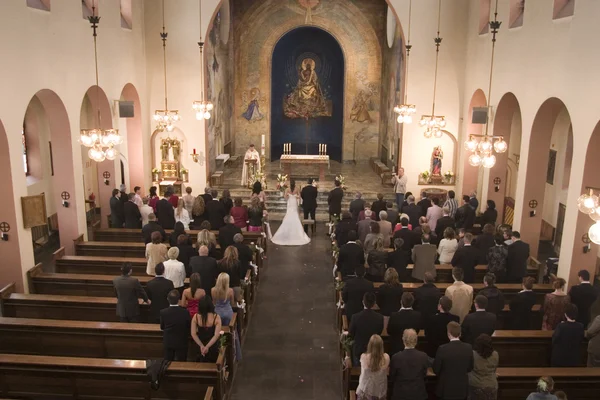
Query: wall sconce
[198, 157]
[532, 204]
[106, 175]
[4, 228]
[497, 182]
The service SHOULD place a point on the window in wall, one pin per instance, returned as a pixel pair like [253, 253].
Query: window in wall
[563, 8]
[517, 9]
[86, 8]
[43, 5]
[126, 14]
[484, 16]
[24, 147]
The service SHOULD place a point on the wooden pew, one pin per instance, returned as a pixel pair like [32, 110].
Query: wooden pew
[135, 235]
[95, 264]
[44, 377]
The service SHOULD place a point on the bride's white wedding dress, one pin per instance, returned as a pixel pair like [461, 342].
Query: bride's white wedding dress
[291, 232]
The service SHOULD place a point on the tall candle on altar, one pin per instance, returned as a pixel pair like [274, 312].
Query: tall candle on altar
[262, 146]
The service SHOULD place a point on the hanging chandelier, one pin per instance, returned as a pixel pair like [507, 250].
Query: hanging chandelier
[483, 146]
[589, 203]
[434, 124]
[165, 118]
[406, 111]
[100, 141]
[202, 107]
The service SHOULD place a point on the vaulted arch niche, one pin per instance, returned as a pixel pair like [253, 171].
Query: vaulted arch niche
[471, 175]
[133, 147]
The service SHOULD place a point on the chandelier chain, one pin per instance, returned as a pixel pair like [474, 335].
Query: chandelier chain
[438, 42]
[408, 48]
[494, 26]
[163, 36]
[201, 46]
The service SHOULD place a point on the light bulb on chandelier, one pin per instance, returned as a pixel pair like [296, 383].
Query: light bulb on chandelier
[594, 233]
[111, 153]
[488, 161]
[475, 160]
[500, 146]
[595, 215]
[588, 203]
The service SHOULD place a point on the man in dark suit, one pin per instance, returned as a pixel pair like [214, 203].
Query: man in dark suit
[378, 205]
[356, 206]
[116, 210]
[128, 290]
[165, 212]
[186, 252]
[413, 211]
[445, 222]
[215, 212]
[309, 195]
[175, 324]
[133, 217]
[206, 197]
[478, 322]
[152, 226]
[351, 256]
[244, 254]
[453, 362]
[227, 232]
[409, 237]
[436, 329]
[405, 318]
[399, 260]
[364, 324]
[494, 295]
[516, 261]
[353, 292]
[427, 298]
[335, 199]
[566, 340]
[466, 258]
[158, 289]
[521, 305]
[408, 369]
[424, 204]
[393, 215]
[465, 215]
[206, 267]
[583, 296]
[364, 226]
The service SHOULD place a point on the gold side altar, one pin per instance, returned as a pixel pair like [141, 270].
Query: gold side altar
[171, 172]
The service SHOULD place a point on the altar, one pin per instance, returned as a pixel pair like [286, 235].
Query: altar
[287, 160]
[171, 172]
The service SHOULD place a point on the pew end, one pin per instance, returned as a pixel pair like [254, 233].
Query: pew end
[32, 273]
[58, 254]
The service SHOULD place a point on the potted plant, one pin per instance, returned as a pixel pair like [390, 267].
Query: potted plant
[282, 183]
[449, 175]
[184, 174]
[426, 175]
[342, 180]
[155, 174]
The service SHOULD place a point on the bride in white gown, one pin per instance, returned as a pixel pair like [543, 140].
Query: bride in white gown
[291, 232]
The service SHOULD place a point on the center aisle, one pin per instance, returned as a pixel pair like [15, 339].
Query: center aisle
[291, 347]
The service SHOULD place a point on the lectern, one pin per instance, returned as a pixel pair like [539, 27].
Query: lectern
[250, 170]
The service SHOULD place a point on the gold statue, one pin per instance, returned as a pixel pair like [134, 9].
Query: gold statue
[164, 147]
[175, 146]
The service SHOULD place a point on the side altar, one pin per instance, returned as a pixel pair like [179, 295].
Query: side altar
[171, 171]
[287, 160]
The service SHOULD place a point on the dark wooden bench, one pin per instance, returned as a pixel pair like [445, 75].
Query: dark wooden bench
[96, 264]
[45, 377]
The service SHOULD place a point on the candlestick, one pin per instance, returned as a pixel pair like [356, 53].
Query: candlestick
[290, 148]
[194, 151]
[262, 145]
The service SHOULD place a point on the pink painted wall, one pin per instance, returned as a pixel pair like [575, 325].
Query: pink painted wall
[471, 174]
[135, 145]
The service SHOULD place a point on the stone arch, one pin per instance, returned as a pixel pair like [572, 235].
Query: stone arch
[470, 174]
[135, 139]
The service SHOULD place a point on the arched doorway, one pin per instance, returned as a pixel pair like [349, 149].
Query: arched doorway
[135, 168]
[471, 175]
[307, 93]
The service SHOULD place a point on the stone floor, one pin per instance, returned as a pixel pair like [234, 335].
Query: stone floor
[290, 351]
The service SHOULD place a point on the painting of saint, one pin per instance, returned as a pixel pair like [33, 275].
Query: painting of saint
[436, 161]
[251, 105]
[360, 109]
[307, 100]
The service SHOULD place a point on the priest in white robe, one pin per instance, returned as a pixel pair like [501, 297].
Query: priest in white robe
[251, 154]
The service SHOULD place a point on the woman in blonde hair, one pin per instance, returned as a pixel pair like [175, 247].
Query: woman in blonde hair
[223, 299]
[197, 212]
[182, 215]
[545, 386]
[208, 239]
[374, 364]
[230, 264]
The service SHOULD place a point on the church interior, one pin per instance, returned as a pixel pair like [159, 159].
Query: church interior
[476, 97]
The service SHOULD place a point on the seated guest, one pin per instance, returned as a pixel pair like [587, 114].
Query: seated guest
[175, 324]
[377, 261]
[593, 349]
[460, 293]
[128, 289]
[434, 213]
[436, 328]
[158, 290]
[385, 228]
[378, 206]
[372, 236]
[466, 258]
[230, 264]
[227, 232]
[131, 212]
[152, 226]
[255, 215]
[354, 291]
[583, 296]
[427, 297]
[399, 260]
[364, 325]
[351, 255]
[496, 258]
[409, 369]
[424, 256]
[182, 215]
[244, 254]
[490, 215]
[567, 339]
[453, 362]
[156, 252]
[374, 365]
[344, 227]
[408, 236]
[389, 294]
[364, 226]
[393, 215]
[405, 318]
[485, 242]
[492, 293]
[208, 239]
[560, 395]
[186, 252]
[192, 295]
[521, 305]
[178, 230]
[356, 206]
[205, 331]
[198, 211]
[554, 305]
[448, 246]
[206, 267]
[239, 214]
[174, 269]
[545, 386]
[479, 322]
[445, 222]
[483, 384]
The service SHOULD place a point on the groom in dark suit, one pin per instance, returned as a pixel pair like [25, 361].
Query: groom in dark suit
[309, 203]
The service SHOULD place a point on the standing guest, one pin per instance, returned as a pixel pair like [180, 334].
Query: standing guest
[453, 362]
[545, 386]
[215, 211]
[436, 329]
[186, 252]
[226, 200]
[198, 213]
[255, 215]
[554, 305]
[173, 199]
[206, 268]
[188, 200]
[465, 215]
[427, 297]
[409, 369]
[334, 199]
[451, 204]
[153, 198]
[353, 292]
[374, 365]
[445, 222]
[593, 349]
[408, 237]
[206, 197]
[424, 256]
[343, 227]
[175, 324]
[378, 206]
[484, 242]
[399, 260]
[117, 217]
[224, 301]
[239, 214]
[434, 213]
[399, 181]
[521, 305]
[182, 215]
[583, 296]
[156, 252]
[419, 230]
[356, 206]
[351, 255]
[424, 204]
[413, 211]
[138, 197]
[364, 226]
[145, 211]
[365, 324]
[393, 215]
[448, 246]
[566, 340]
[309, 195]
[191, 296]
[158, 289]
[131, 213]
[128, 289]
[174, 270]
[490, 215]
[123, 197]
[257, 192]
[518, 256]
[405, 202]
[165, 211]
[460, 293]
[461, 237]
[466, 258]
[479, 322]
[473, 202]
[372, 237]
[405, 318]
[385, 228]
[492, 293]
[230, 264]
[506, 233]
[208, 239]
[178, 230]
[244, 254]
[227, 232]
[377, 261]
[361, 214]
[497, 258]
[483, 384]
[389, 294]
[151, 227]
[205, 331]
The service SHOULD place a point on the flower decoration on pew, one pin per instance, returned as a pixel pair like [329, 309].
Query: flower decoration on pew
[346, 342]
[222, 339]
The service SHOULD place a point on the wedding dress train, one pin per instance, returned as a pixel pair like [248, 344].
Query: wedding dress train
[291, 232]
